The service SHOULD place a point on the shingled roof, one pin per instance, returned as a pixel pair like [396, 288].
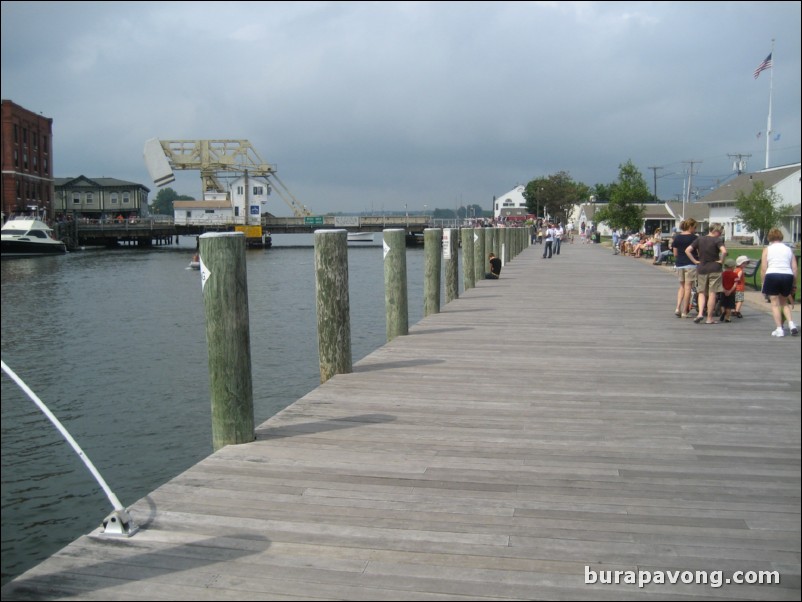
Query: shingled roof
[743, 183]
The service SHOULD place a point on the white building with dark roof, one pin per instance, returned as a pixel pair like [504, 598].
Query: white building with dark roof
[784, 181]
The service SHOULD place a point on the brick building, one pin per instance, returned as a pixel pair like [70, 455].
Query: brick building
[26, 142]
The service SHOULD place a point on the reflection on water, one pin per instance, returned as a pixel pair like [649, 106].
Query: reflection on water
[113, 341]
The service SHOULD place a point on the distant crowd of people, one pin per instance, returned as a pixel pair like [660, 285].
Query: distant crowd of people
[552, 234]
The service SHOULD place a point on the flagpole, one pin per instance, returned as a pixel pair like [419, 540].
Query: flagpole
[771, 93]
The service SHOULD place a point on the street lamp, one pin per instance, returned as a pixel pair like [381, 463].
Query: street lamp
[537, 202]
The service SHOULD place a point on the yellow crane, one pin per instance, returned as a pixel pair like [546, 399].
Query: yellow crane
[213, 158]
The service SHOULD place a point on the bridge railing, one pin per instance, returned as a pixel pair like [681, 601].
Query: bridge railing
[134, 223]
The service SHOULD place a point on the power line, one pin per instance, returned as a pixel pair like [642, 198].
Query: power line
[687, 197]
[654, 170]
[739, 166]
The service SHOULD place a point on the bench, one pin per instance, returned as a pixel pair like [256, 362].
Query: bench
[751, 269]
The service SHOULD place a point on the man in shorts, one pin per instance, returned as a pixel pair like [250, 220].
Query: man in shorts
[711, 254]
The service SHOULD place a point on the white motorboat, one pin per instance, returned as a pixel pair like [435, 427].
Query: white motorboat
[29, 237]
[360, 237]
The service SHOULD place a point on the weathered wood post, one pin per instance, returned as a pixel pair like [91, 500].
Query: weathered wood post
[497, 242]
[467, 258]
[432, 249]
[395, 282]
[479, 255]
[451, 257]
[225, 300]
[333, 308]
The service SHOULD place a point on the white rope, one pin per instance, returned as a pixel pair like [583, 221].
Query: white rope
[40, 404]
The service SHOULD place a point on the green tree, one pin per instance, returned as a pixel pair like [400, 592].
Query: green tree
[601, 192]
[760, 210]
[627, 195]
[444, 214]
[163, 203]
[554, 196]
[472, 211]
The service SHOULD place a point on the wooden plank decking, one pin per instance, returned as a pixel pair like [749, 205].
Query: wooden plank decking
[557, 419]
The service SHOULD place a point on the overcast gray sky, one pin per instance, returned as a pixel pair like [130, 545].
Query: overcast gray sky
[382, 105]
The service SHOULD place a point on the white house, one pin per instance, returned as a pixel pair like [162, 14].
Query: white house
[207, 213]
[510, 204]
[784, 180]
[243, 204]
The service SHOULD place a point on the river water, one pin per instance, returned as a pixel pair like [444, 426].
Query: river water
[114, 342]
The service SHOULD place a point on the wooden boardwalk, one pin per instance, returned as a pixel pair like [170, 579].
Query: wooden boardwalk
[555, 424]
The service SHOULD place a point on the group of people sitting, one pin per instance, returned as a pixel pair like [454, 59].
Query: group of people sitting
[638, 243]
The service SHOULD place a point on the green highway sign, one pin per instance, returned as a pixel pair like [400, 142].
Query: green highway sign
[315, 219]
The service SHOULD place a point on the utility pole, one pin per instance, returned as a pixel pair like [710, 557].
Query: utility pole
[690, 180]
[739, 166]
[654, 170]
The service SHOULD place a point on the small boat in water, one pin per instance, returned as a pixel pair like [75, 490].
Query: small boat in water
[29, 237]
[195, 263]
[360, 237]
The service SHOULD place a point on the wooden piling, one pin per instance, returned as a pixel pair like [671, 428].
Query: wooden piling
[225, 300]
[395, 283]
[451, 257]
[479, 255]
[467, 259]
[333, 307]
[432, 264]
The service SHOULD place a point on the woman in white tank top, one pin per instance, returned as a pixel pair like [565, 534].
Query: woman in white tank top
[779, 272]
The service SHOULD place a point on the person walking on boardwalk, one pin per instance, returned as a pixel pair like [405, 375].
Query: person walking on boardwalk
[549, 241]
[686, 270]
[711, 254]
[616, 241]
[779, 272]
[558, 238]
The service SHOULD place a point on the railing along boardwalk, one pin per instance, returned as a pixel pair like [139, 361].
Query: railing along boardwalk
[556, 419]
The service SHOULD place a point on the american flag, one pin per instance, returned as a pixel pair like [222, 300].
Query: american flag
[766, 64]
